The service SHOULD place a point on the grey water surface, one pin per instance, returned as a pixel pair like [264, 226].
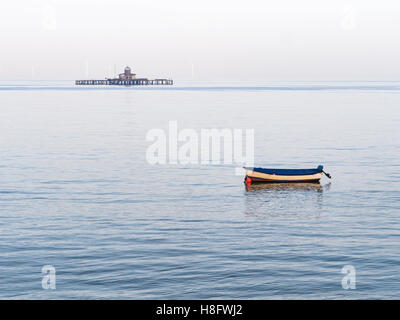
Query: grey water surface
[77, 193]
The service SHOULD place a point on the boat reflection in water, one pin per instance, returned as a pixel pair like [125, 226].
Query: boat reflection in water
[302, 200]
[305, 186]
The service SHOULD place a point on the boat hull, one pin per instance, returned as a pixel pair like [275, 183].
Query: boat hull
[256, 176]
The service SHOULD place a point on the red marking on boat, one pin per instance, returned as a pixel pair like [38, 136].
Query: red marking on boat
[248, 181]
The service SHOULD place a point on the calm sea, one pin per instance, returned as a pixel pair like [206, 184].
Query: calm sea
[77, 193]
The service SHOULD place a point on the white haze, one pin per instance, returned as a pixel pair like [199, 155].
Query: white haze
[200, 40]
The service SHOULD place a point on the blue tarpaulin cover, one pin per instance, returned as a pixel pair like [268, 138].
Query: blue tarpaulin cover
[287, 172]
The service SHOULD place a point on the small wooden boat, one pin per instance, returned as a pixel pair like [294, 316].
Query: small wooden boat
[284, 175]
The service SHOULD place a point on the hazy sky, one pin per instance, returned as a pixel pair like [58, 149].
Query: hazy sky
[203, 39]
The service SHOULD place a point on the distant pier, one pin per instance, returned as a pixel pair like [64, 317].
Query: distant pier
[125, 79]
[117, 82]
